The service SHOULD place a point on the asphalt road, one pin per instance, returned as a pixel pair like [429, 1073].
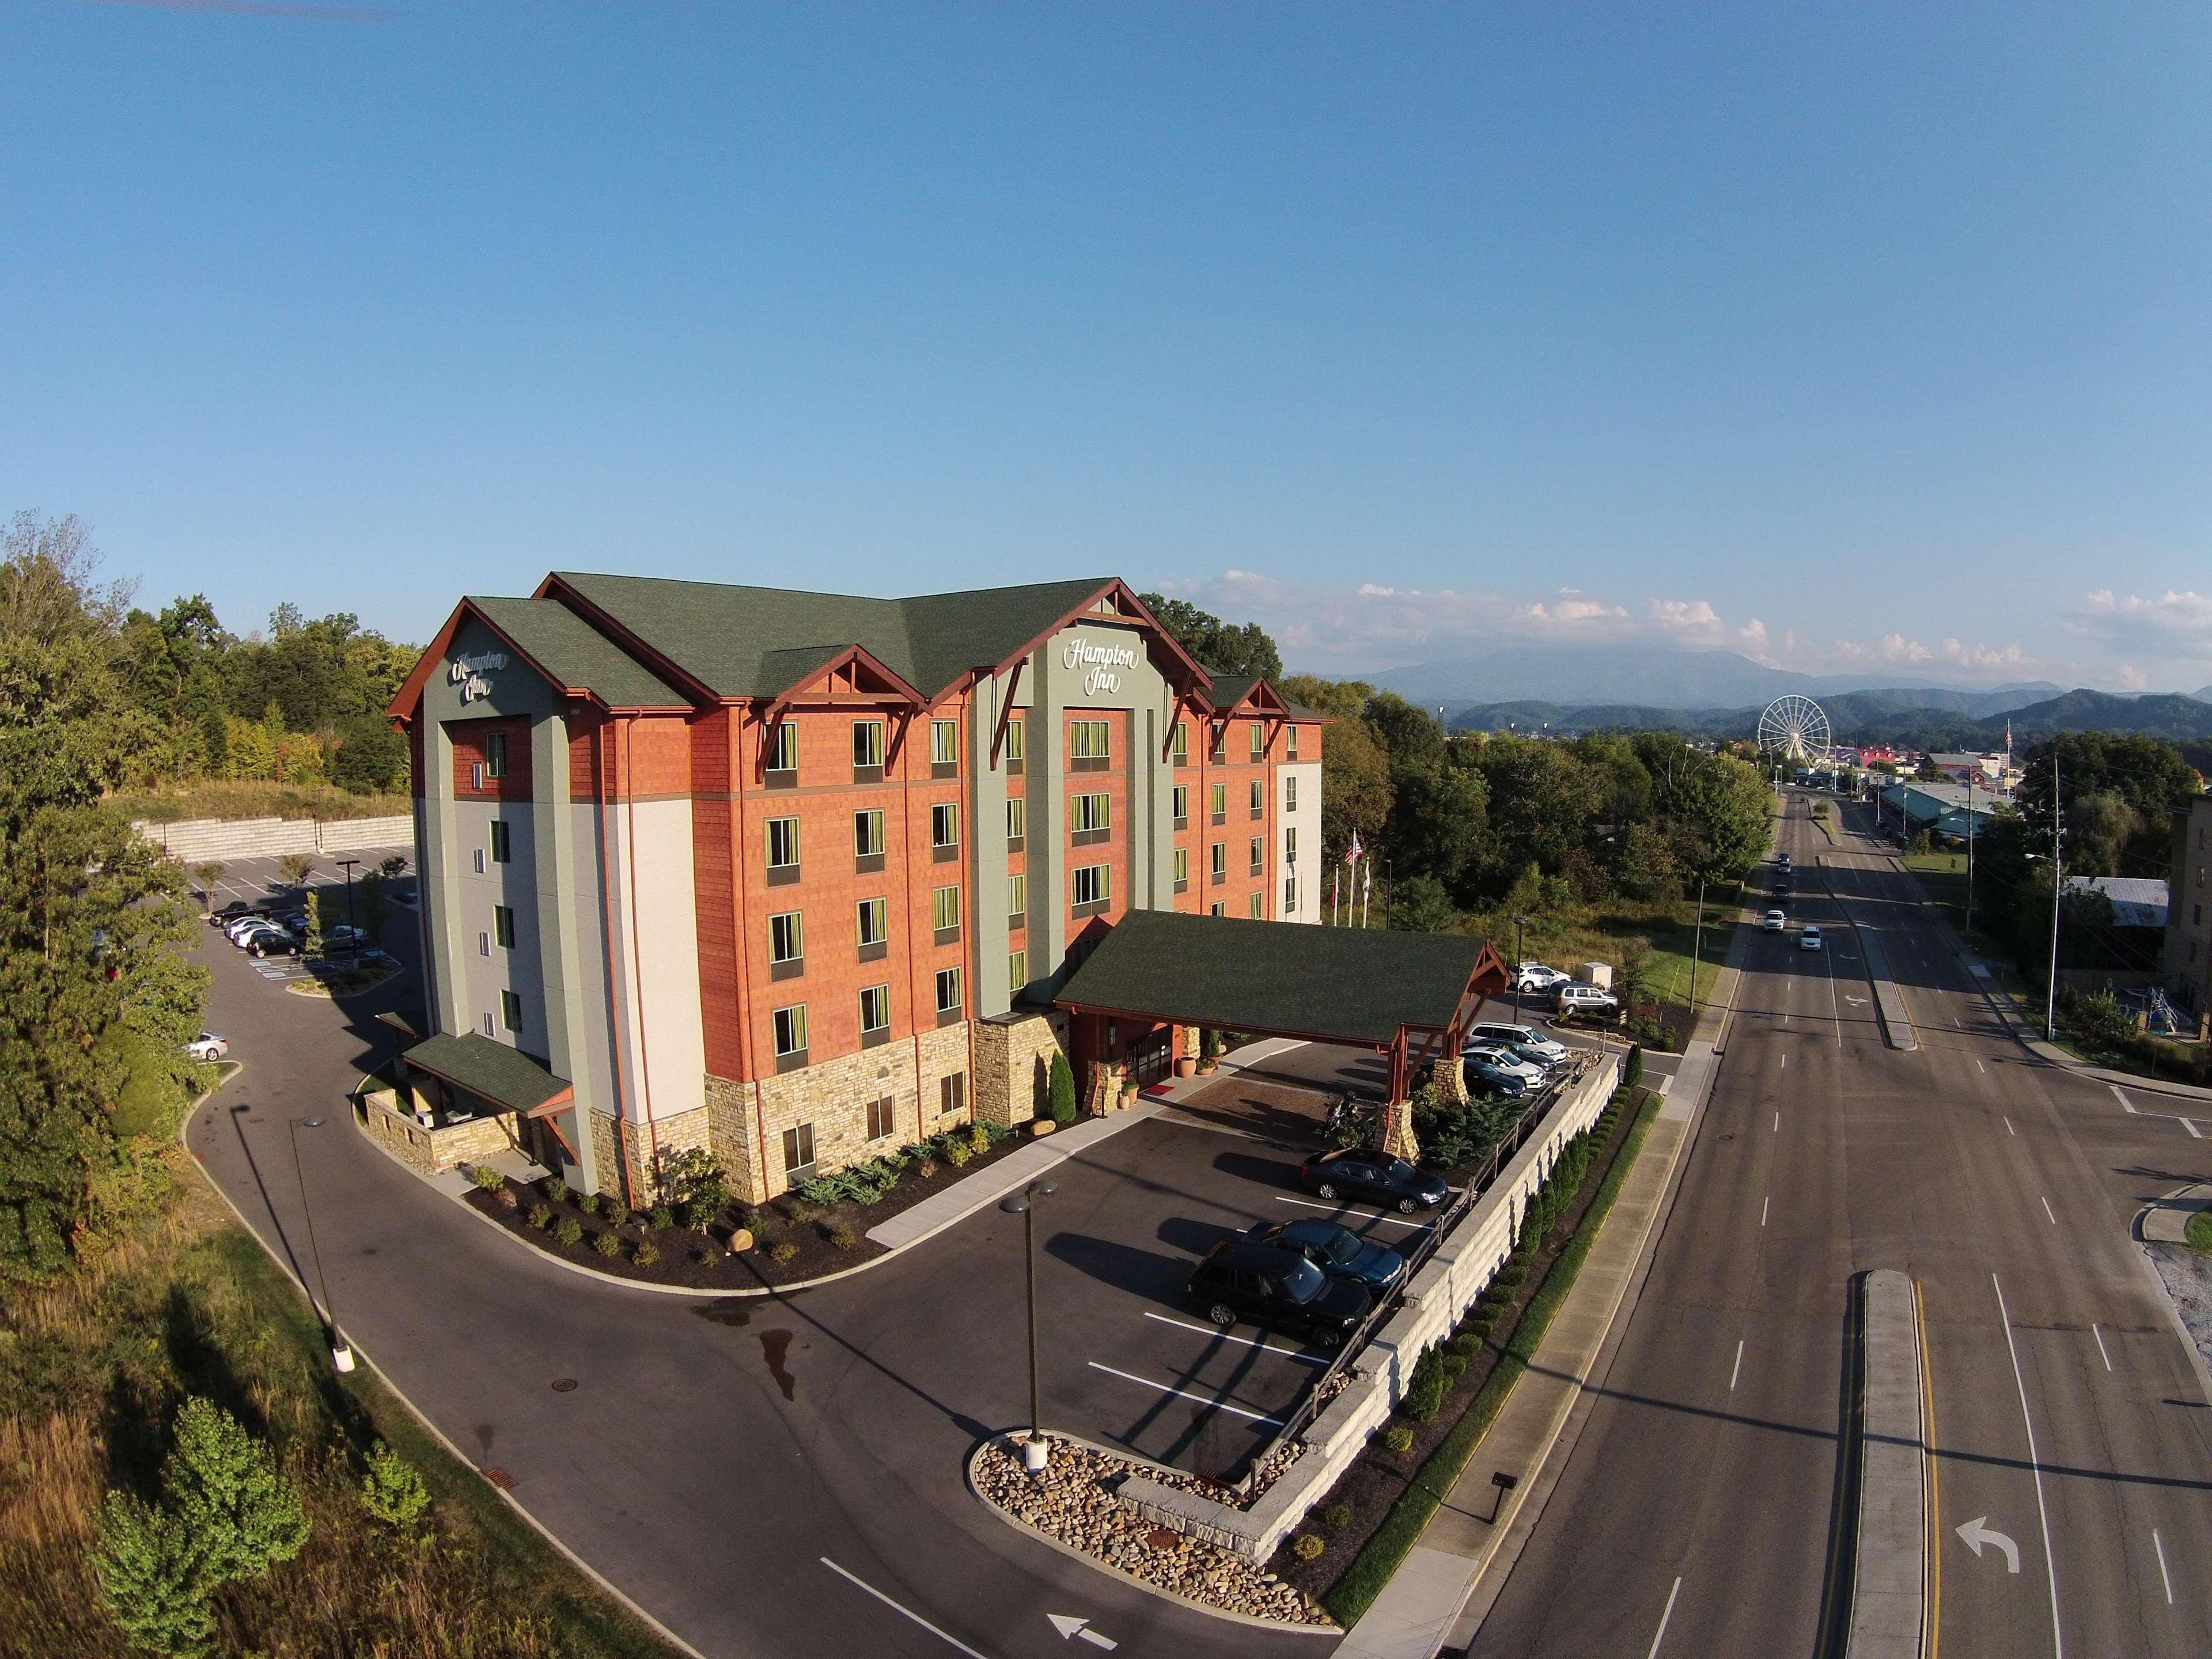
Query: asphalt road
[1702, 1510]
[714, 1460]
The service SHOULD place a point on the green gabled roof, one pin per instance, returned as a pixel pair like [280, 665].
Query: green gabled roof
[1229, 689]
[760, 641]
[505, 1077]
[578, 655]
[1346, 984]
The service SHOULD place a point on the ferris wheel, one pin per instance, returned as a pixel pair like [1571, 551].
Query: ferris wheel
[1796, 729]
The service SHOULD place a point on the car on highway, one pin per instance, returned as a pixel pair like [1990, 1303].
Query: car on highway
[208, 1045]
[1774, 922]
[1535, 976]
[1501, 1058]
[1337, 1251]
[1576, 997]
[1809, 939]
[1781, 860]
[1484, 1080]
[1354, 1172]
[1526, 1038]
[1242, 1281]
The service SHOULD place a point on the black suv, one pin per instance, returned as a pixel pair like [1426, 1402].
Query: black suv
[1270, 1285]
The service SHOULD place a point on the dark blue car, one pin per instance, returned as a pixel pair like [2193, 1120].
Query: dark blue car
[1355, 1173]
[1337, 1251]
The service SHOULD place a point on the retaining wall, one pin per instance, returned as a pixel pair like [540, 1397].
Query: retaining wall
[1440, 1294]
[192, 840]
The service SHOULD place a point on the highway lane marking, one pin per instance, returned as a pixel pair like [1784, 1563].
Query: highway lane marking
[1663, 1617]
[2035, 1467]
[1835, 1007]
[2162, 1577]
[1185, 1393]
[2008, 1128]
[2192, 1127]
[942, 1635]
[1737, 1371]
[1778, 1123]
[1763, 1203]
[1785, 1062]
[1983, 1069]
[1346, 1209]
[2101, 1354]
[1260, 1343]
[2130, 1108]
[2046, 1210]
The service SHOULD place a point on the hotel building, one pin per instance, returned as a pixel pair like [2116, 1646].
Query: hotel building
[795, 877]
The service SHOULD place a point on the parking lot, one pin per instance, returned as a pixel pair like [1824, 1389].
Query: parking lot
[257, 880]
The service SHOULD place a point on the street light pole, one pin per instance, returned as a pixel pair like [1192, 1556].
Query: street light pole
[1697, 949]
[1970, 852]
[2058, 884]
[1518, 922]
[1023, 1204]
[341, 1351]
[353, 941]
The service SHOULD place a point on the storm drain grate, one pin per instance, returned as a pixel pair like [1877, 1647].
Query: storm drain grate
[564, 1385]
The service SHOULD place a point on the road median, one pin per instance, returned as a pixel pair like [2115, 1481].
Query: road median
[1889, 1575]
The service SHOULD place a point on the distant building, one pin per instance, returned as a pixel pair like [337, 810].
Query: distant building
[2185, 965]
[1941, 809]
[1984, 770]
[2137, 901]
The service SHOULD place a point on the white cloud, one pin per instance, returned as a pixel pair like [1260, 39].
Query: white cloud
[2176, 626]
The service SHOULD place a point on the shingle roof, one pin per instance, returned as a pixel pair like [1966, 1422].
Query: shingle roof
[757, 642]
[2137, 901]
[579, 656]
[1229, 689]
[1345, 983]
[506, 1077]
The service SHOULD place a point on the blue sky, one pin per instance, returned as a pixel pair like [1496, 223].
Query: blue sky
[1860, 337]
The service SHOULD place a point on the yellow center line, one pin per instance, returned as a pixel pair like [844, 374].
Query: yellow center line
[1933, 1628]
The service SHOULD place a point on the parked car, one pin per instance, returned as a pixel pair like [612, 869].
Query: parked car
[272, 942]
[1337, 1251]
[1484, 1078]
[1239, 1280]
[1535, 976]
[1354, 1172]
[238, 932]
[1576, 997]
[237, 909]
[208, 1045]
[1527, 1038]
[1809, 939]
[343, 934]
[1501, 1058]
[1774, 921]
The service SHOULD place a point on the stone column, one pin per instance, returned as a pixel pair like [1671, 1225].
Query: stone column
[1398, 1132]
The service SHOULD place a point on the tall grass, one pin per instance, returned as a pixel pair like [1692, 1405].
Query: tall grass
[91, 1374]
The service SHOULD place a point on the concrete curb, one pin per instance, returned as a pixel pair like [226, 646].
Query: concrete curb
[1889, 1576]
[1897, 1028]
[2166, 1221]
[598, 1580]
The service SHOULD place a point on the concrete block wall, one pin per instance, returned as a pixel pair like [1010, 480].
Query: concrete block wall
[191, 841]
[1441, 1293]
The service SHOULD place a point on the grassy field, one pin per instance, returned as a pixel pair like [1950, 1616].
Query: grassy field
[226, 798]
[1602, 932]
[91, 1374]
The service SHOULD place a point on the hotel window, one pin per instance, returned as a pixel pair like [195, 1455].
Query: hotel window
[503, 924]
[1290, 896]
[1182, 806]
[790, 1033]
[502, 842]
[944, 830]
[883, 1118]
[782, 851]
[1216, 803]
[1258, 797]
[783, 754]
[1289, 845]
[799, 1152]
[1291, 791]
[1017, 971]
[1014, 751]
[1259, 743]
[1289, 743]
[1091, 889]
[945, 913]
[1090, 818]
[495, 754]
[1252, 906]
[867, 751]
[1182, 869]
[871, 927]
[868, 840]
[875, 1014]
[1018, 824]
[944, 749]
[510, 1011]
[1216, 909]
[1220, 862]
[1183, 743]
[952, 1093]
[1218, 749]
[948, 995]
[787, 944]
[1089, 746]
[1259, 854]
[1017, 901]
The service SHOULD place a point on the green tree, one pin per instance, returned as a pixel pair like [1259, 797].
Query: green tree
[311, 945]
[371, 903]
[1410, 735]
[1356, 794]
[1643, 863]
[151, 1578]
[206, 875]
[295, 868]
[1420, 905]
[1438, 829]
[1059, 1088]
[224, 1488]
[1220, 647]
[393, 1492]
[1724, 817]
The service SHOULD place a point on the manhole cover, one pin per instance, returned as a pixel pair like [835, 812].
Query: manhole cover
[500, 1478]
[564, 1385]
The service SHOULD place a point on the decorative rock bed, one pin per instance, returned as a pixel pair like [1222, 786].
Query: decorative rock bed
[1074, 1502]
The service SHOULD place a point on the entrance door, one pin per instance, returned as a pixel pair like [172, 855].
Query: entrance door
[1148, 1061]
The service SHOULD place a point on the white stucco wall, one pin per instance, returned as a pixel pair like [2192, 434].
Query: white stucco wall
[1305, 821]
[650, 910]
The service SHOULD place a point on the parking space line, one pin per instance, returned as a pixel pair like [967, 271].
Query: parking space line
[950, 1641]
[2101, 1354]
[1249, 1341]
[1346, 1209]
[1185, 1393]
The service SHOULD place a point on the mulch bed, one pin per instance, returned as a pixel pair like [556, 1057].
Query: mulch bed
[1371, 1488]
[703, 1261]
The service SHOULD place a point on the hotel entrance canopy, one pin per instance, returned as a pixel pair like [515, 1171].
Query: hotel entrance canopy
[1401, 994]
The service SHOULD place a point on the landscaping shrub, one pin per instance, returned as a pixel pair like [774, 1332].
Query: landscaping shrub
[550, 1186]
[844, 1238]
[1307, 1546]
[979, 1139]
[1425, 1395]
[690, 1176]
[588, 1203]
[1335, 1516]
[608, 1244]
[568, 1230]
[1631, 1073]
[958, 1154]
[926, 1168]
[762, 1223]
[1059, 1088]
[541, 1216]
[663, 1216]
[782, 1250]
[1468, 1342]
[1398, 1438]
[487, 1179]
[392, 1492]
[509, 1199]
[647, 1254]
[1512, 1274]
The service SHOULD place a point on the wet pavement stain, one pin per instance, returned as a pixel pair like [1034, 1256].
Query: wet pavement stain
[729, 1312]
[775, 1345]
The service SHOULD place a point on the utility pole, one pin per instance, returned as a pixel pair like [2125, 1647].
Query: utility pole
[2057, 881]
[1697, 949]
[1970, 852]
[1518, 922]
